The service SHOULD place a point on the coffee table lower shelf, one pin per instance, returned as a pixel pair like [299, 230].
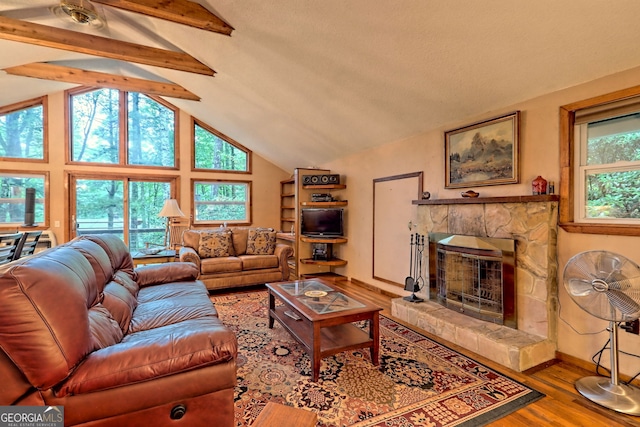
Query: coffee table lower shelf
[333, 338]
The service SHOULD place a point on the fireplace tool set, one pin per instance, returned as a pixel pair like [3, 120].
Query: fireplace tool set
[414, 282]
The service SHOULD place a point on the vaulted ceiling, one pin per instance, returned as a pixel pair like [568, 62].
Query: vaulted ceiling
[303, 82]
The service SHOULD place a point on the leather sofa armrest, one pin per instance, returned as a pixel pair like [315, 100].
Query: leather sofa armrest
[157, 274]
[283, 252]
[188, 254]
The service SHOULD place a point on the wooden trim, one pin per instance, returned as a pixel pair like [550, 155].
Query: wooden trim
[566, 218]
[485, 200]
[24, 105]
[42, 35]
[179, 11]
[420, 177]
[45, 71]
[589, 366]
[225, 138]
[201, 223]
[47, 198]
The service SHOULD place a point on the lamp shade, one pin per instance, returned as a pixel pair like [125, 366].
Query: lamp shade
[170, 209]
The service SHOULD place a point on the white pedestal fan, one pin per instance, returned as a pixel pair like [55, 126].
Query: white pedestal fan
[606, 285]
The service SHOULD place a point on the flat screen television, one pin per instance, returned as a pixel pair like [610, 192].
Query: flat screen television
[321, 222]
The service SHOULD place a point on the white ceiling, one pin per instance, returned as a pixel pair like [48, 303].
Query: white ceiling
[302, 82]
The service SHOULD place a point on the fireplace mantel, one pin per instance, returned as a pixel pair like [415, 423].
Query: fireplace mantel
[484, 200]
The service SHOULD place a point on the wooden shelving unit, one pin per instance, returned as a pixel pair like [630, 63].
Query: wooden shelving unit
[294, 196]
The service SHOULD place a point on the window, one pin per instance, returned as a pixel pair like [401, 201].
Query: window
[13, 186]
[215, 151]
[126, 207]
[219, 202]
[98, 126]
[23, 130]
[601, 165]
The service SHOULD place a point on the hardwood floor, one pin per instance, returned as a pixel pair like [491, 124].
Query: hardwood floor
[562, 406]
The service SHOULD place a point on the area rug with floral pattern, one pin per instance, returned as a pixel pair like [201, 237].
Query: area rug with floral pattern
[418, 382]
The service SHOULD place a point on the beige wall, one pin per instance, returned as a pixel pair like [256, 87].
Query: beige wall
[539, 154]
[265, 178]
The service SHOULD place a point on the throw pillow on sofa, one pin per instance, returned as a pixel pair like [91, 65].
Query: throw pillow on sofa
[215, 244]
[261, 241]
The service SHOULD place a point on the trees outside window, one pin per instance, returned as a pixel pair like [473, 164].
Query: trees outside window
[600, 164]
[13, 186]
[23, 130]
[214, 151]
[126, 207]
[608, 175]
[221, 202]
[101, 118]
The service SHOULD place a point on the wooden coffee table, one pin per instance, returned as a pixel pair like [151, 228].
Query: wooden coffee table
[321, 319]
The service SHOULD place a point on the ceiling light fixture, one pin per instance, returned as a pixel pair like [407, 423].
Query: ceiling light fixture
[80, 11]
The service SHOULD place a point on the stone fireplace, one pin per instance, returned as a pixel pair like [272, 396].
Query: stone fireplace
[530, 222]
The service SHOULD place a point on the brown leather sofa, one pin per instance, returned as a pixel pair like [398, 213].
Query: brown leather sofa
[113, 345]
[238, 256]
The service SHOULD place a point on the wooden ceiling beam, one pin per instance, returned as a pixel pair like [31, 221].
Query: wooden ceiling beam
[181, 11]
[60, 73]
[42, 35]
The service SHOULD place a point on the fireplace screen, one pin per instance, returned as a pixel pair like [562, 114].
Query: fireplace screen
[475, 276]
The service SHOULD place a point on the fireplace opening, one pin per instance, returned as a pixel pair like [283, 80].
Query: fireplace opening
[474, 276]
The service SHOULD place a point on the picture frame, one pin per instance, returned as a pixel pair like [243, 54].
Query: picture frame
[483, 153]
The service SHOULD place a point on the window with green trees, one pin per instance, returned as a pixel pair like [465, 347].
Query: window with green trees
[608, 172]
[22, 130]
[13, 186]
[221, 202]
[123, 206]
[97, 128]
[215, 151]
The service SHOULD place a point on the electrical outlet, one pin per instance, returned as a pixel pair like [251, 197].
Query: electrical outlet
[632, 327]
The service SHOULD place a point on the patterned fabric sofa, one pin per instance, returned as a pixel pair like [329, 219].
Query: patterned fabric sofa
[236, 256]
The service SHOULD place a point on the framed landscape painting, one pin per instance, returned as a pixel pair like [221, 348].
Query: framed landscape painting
[483, 153]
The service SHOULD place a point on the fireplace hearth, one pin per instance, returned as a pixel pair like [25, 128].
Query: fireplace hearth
[474, 276]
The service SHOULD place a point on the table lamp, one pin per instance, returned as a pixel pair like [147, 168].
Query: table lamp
[170, 210]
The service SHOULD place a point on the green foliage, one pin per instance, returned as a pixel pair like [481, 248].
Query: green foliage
[221, 202]
[13, 192]
[614, 193]
[213, 152]
[22, 133]
[151, 132]
[95, 129]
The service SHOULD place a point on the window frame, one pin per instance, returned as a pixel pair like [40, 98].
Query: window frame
[195, 122]
[47, 201]
[207, 223]
[23, 105]
[568, 168]
[71, 178]
[123, 127]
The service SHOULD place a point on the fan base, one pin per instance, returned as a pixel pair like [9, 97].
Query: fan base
[621, 398]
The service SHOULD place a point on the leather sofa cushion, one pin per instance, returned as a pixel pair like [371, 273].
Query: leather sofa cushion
[149, 354]
[115, 249]
[257, 262]
[120, 303]
[158, 273]
[45, 329]
[171, 303]
[104, 330]
[221, 265]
